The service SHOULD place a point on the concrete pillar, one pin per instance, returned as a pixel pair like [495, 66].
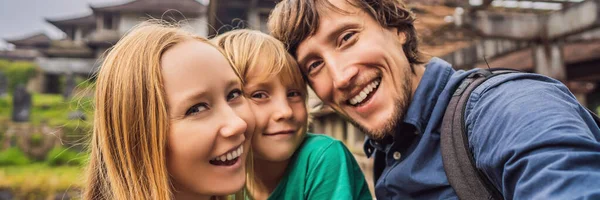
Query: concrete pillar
[99, 22]
[253, 15]
[352, 137]
[548, 60]
[338, 129]
[78, 35]
[329, 127]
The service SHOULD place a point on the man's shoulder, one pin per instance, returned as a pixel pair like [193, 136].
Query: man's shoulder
[518, 82]
[516, 93]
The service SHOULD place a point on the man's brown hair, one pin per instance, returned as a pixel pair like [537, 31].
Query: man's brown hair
[292, 21]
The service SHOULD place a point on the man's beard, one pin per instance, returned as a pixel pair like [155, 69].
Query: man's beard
[394, 122]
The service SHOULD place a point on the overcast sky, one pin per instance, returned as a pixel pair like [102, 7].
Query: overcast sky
[20, 18]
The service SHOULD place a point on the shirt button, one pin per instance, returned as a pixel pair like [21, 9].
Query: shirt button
[397, 155]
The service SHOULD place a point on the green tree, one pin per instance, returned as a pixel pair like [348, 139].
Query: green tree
[4, 64]
[19, 72]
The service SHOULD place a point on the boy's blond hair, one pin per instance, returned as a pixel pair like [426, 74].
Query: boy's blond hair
[246, 49]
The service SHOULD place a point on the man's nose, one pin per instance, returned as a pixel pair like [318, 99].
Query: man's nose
[343, 75]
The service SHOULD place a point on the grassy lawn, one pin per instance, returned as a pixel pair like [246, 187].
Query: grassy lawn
[41, 178]
[49, 108]
[53, 110]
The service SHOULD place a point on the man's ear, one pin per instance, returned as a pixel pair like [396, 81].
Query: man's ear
[401, 36]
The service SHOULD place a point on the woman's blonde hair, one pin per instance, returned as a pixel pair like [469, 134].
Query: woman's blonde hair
[246, 48]
[129, 141]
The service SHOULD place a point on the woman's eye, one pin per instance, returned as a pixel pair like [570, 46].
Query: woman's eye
[195, 109]
[234, 94]
[259, 95]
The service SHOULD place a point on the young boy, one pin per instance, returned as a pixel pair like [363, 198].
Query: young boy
[289, 163]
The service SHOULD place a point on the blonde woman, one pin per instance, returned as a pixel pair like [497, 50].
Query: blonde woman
[170, 120]
[289, 163]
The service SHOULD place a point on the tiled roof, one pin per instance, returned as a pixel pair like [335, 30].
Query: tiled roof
[70, 21]
[36, 40]
[188, 7]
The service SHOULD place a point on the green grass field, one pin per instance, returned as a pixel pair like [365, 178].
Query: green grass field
[41, 179]
[49, 108]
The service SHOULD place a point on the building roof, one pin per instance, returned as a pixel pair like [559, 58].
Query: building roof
[190, 8]
[35, 40]
[19, 54]
[69, 49]
[573, 53]
[72, 21]
[103, 38]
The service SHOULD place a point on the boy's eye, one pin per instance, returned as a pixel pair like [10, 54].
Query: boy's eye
[259, 95]
[294, 94]
[234, 94]
[195, 109]
[313, 66]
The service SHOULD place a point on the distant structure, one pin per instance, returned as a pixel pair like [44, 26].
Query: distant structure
[89, 36]
[229, 14]
[27, 48]
[560, 39]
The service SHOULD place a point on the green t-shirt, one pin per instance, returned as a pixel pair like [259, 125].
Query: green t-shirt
[322, 168]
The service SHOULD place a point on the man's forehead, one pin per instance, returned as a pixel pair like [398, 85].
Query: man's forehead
[337, 14]
[337, 8]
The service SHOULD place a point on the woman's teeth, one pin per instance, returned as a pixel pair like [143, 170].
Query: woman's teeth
[364, 93]
[226, 158]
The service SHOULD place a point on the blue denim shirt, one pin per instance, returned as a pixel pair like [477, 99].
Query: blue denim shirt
[527, 133]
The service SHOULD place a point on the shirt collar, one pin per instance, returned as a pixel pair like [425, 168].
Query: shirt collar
[436, 76]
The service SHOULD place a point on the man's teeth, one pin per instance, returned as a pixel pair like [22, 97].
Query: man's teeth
[364, 93]
[230, 155]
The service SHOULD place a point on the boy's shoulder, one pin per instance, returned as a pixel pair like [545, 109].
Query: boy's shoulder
[319, 145]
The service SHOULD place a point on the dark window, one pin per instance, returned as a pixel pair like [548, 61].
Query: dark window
[108, 22]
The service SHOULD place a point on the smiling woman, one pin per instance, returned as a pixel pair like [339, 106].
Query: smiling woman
[170, 121]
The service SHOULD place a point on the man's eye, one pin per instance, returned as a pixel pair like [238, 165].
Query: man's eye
[348, 36]
[259, 95]
[195, 109]
[234, 94]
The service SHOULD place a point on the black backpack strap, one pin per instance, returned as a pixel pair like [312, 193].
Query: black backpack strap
[468, 182]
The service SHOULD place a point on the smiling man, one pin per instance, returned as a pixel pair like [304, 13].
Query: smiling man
[527, 133]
